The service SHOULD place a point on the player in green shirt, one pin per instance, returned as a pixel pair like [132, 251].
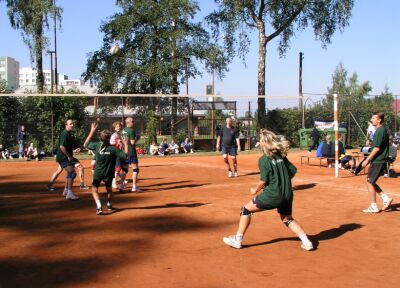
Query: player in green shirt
[65, 157]
[377, 158]
[276, 173]
[132, 160]
[106, 156]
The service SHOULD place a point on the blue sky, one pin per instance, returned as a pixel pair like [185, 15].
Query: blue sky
[369, 47]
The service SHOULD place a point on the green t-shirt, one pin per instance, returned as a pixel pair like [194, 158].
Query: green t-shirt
[381, 140]
[277, 172]
[105, 160]
[67, 140]
[131, 135]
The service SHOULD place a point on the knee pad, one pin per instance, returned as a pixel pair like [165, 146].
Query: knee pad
[71, 175]
[287, 223]
[136, 170]
[245, 212]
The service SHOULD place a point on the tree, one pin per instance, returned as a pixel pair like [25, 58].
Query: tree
[272, 18]
[159, 47]
[31, 17]
[3, 86]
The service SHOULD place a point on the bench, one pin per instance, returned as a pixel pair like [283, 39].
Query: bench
[308, 157]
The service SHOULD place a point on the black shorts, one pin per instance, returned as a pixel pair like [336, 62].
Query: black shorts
[107, 182]
[375, 171]
[284, 208]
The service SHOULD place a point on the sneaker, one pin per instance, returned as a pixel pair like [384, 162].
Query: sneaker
[65, 192]
[110, 207]
[51, 188]
[236, 174]
[71, 196]
[386, 204]
[371, 209]
[230, 174]
[83, 187]
[99, 211]
[135, 189]
[114, 185]
[307, 245]
[232, 241]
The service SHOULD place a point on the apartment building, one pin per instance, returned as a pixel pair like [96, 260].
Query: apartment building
[9, 71]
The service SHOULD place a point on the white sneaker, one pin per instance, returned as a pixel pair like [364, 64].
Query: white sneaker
[232, 241]
[371, 209]
[114, 185]
[135, 189]
[387, 203]
[307, 245]
[230, 174]
[71, 196]
[236, 174]
[65, 192]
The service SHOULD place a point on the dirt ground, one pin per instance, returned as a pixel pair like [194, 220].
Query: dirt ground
[170, 234]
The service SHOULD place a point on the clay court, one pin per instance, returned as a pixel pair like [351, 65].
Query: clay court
[170, 234]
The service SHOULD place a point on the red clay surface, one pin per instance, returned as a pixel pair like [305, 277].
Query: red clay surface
[170, 235]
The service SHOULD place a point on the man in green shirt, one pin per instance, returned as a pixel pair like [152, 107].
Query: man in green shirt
[377, 160]
[132, 160]
[106, 156]
[65, 157]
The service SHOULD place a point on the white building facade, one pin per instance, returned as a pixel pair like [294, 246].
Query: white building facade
[9, 71]
[28, 75]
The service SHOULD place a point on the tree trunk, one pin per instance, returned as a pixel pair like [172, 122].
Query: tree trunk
[262, 51]
[39, 56]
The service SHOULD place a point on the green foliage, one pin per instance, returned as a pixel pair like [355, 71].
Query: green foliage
[10, 114]
[236, 19]
[31, 18]
[3, 86]
[151, 129]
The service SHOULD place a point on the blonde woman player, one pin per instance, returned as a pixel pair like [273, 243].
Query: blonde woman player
[275, 185]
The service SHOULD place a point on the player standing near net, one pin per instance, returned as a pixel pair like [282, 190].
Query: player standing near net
[115, 140]
[276, 172]
[132, 160]
[65, 157]
[228, 140]
[106, 156]
[377, 160]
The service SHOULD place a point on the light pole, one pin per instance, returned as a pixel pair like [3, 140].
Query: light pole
[51, 70]
[55, 47]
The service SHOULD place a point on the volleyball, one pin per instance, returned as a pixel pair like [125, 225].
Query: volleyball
[115, 50]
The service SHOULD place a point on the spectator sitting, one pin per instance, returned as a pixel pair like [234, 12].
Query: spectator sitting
[164, 148]
[32, 153]
[327, 150]
[4, 152]
[153, 150]
[366, 149]
[392, 151]
[187, 146]
[173, 147]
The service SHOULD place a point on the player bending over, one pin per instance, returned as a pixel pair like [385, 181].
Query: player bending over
[276, 172]
[106, 156]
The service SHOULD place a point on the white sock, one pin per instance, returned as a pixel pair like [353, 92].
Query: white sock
[239, 236]
[98, 204]
[304, 238]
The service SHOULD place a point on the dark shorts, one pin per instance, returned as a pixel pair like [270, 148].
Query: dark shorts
[229, 150]
[132, 159]
[284, 208]
[65, 164]
[107, 182]
[375, 171]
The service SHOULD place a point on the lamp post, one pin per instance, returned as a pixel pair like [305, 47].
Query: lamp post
[55, 47]
[51, 70]
[51, 99]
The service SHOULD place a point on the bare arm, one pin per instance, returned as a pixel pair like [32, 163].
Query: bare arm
[238, 144]
[92, 130]
[260, 185]
[371, 156]
[64, 151]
